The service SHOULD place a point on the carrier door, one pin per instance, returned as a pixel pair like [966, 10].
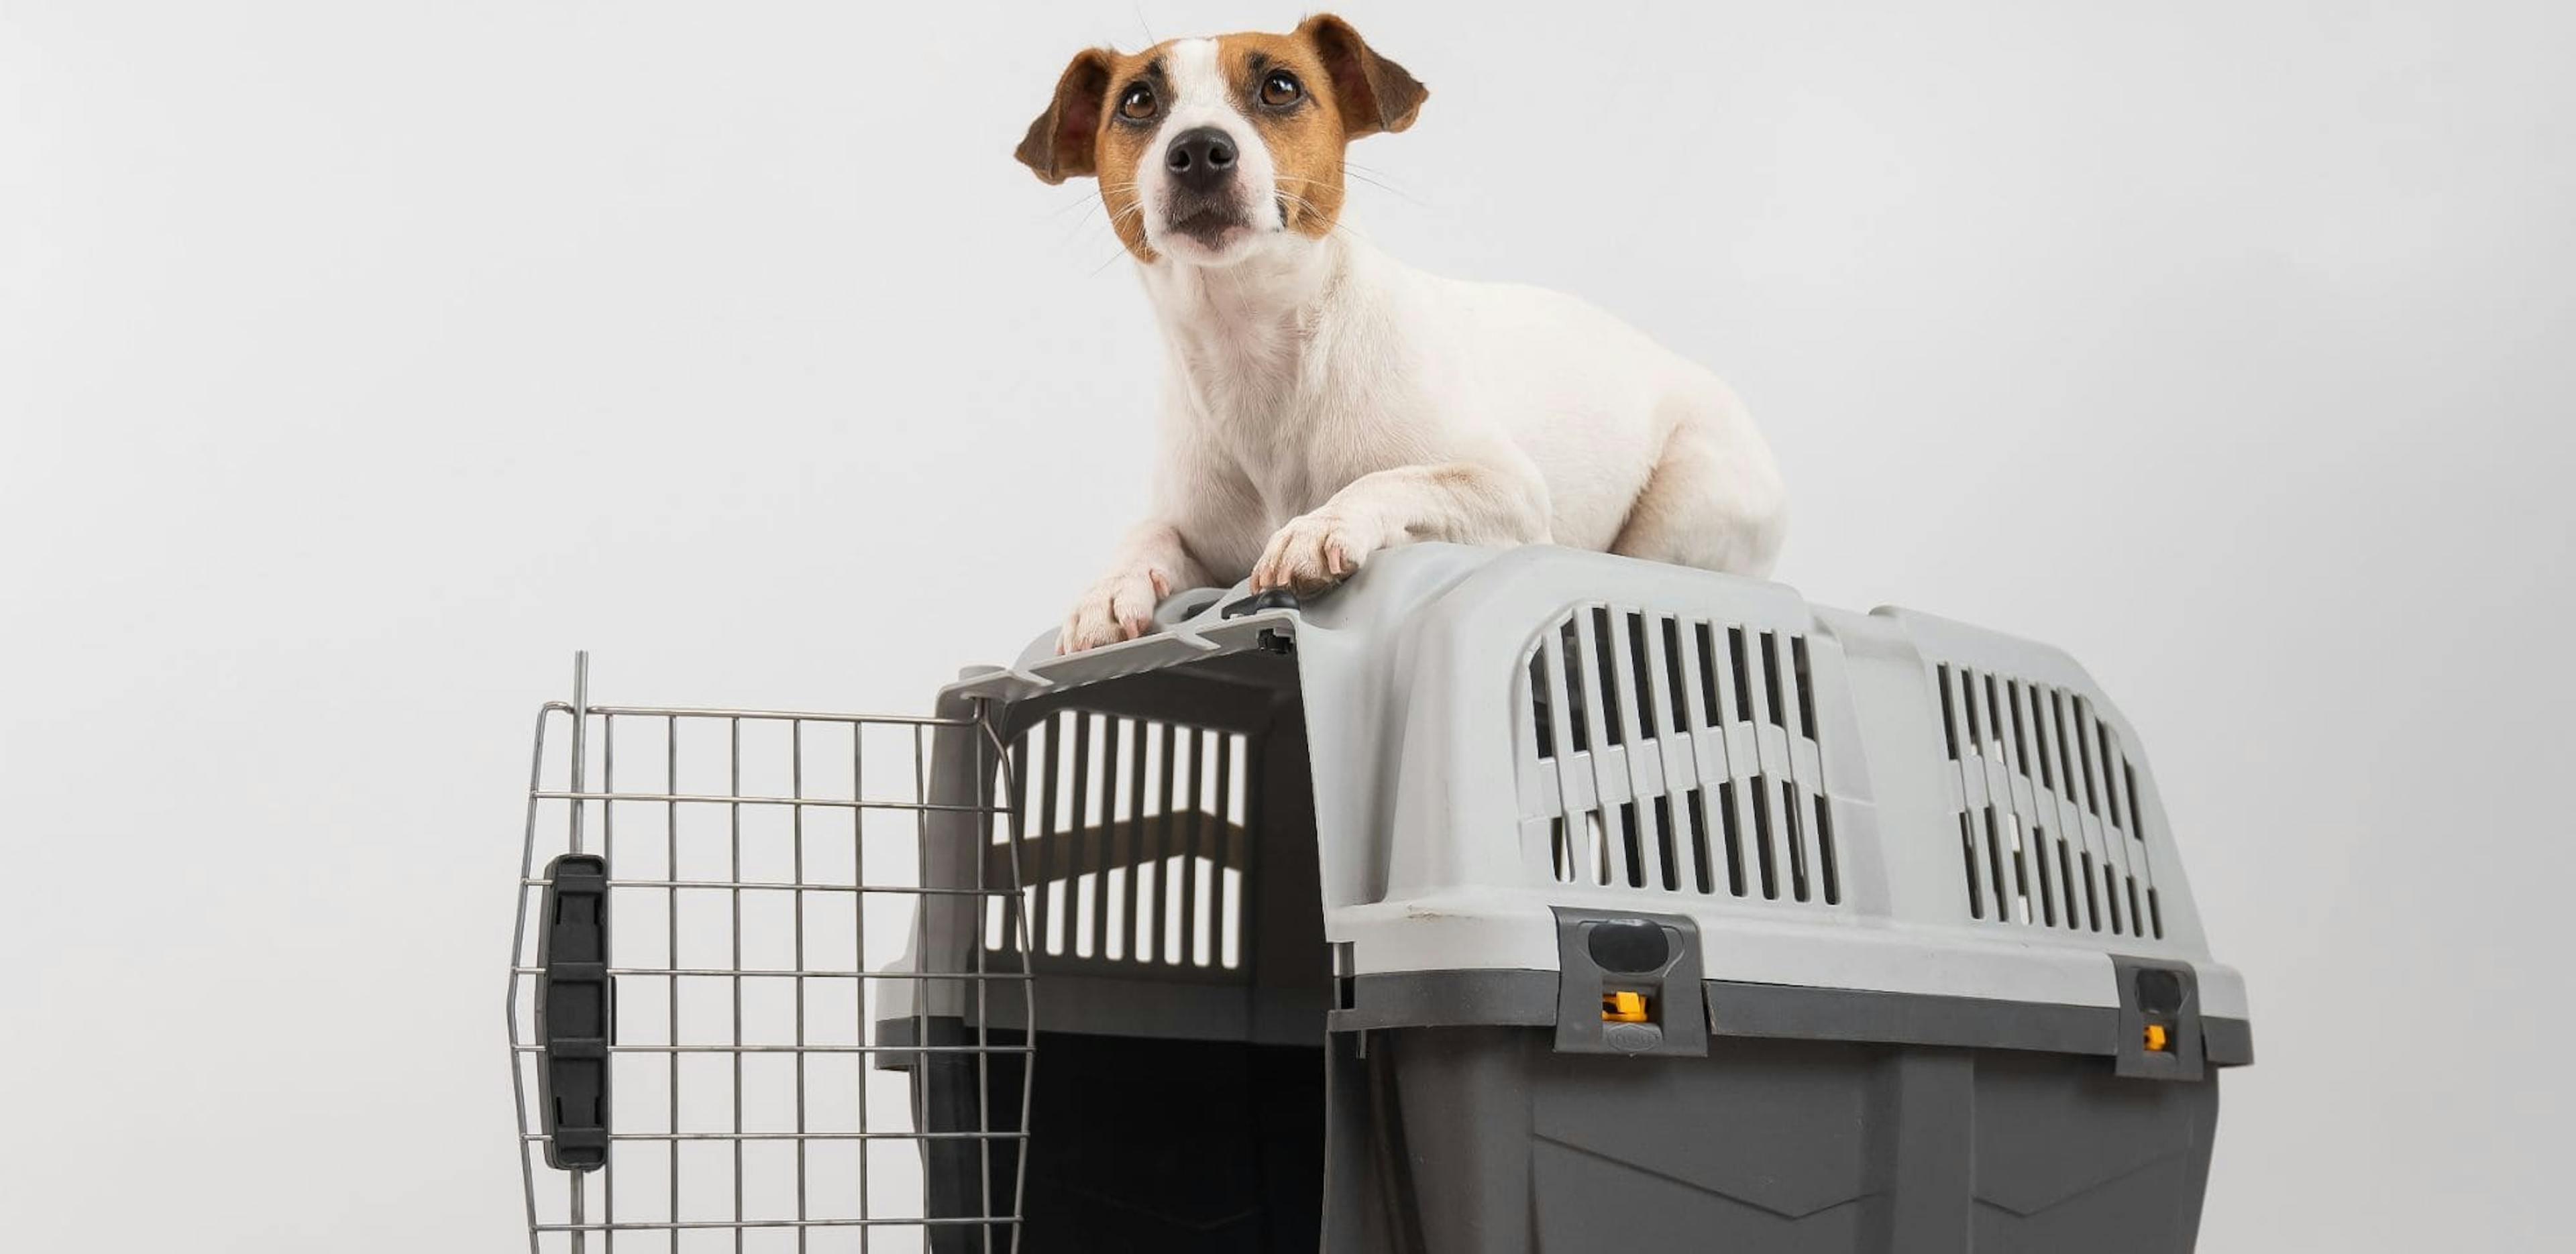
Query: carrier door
[719, 913]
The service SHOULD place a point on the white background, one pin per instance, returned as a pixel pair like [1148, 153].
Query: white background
[359, 361]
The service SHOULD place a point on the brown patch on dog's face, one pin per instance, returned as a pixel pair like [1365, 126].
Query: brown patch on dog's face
[1070, 139]
[1279, 110]
[1280, 85]
[1124, 141]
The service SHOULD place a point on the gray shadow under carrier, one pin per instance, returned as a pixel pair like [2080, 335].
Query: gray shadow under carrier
[1501, 901]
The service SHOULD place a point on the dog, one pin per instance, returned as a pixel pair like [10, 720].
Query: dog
[1322, 402]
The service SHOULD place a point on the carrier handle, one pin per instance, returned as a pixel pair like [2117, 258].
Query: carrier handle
[575, 1012]
[1267, 599]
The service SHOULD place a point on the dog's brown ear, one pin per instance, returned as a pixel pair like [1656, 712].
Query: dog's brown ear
[1060, 142]
[1376, 94]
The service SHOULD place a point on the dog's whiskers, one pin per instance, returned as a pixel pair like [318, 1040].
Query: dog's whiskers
[1085, 199]
[1310, 207]
[1110, 261]
[1396, 192]
[1389, 188]
[1377, 178]
[1112, 222]
[1079, 223]
[1134, 209]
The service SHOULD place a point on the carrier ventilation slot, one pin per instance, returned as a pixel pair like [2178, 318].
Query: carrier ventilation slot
[2051, 828]
[1669, 754]
[1134, 843]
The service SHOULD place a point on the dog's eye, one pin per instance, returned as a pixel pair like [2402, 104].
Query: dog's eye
[1138, 104]
[1281, 89]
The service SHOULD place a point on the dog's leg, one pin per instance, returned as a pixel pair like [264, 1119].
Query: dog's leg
[1714, 499]
[1151, 562]
[1465, 502]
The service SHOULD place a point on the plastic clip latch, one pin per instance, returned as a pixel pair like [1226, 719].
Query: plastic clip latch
[575, 1013]
[1271, 599]
[2160, 1026]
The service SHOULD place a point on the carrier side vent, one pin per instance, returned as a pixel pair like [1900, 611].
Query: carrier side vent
[2052, 833]
[1669, 754]
[1135, 840]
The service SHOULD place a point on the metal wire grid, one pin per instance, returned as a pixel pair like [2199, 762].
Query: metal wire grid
[709, 1148]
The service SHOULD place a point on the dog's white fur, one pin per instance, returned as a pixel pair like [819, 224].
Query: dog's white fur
[1322, 402]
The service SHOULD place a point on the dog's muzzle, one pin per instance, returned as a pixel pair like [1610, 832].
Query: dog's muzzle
[1203, 203]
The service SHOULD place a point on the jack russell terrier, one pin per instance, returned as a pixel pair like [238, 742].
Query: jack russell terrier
[1323, 401]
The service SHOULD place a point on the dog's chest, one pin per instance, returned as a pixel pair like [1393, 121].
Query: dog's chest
[1270, 403]
[1294, 383]
[1271, 437]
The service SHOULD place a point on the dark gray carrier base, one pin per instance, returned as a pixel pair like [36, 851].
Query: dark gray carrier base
[1485, 1140]
[1789, 1146]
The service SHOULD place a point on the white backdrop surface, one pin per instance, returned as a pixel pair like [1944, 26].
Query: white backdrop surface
[357, 362]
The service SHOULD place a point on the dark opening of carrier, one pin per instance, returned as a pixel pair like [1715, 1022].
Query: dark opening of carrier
[1167, 893]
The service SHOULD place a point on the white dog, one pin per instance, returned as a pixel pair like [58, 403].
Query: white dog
[1323, 401]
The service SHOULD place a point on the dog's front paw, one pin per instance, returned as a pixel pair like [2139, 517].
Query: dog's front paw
[1119, 607]
[1314, 552]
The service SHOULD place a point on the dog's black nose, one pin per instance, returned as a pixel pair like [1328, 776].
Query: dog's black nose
[1200, 158]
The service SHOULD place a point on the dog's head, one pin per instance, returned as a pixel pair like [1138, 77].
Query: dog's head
[1207, 148]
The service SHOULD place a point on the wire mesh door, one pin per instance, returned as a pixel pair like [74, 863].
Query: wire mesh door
[715, 909]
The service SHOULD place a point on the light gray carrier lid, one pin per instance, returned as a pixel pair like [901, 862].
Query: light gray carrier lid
[1872, 826]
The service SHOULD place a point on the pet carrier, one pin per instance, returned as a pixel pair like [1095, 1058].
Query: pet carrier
[1501, 901]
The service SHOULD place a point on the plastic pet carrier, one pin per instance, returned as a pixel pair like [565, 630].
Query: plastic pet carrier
[1500, 901]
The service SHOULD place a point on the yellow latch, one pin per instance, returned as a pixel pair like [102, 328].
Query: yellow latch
[2157, 1038]
[1623, 1007]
